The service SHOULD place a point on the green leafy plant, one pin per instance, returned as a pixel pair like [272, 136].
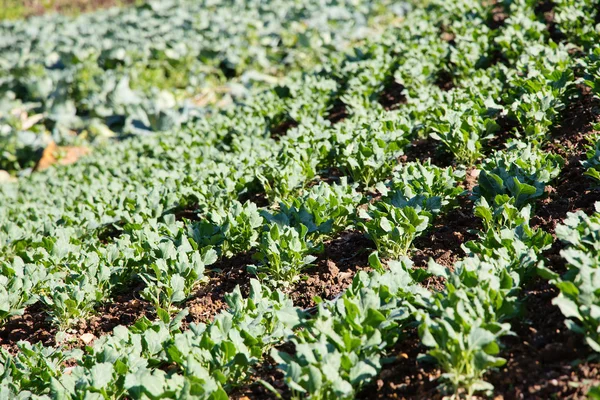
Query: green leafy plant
[422, 185]
[522, 172]
[581, 231]
[323, 209]
[19, 283]
[283, 253]
[368, 153]
[538, 100]
[392, 228]
[592, 162]
[230, 231]
[171, 279]
[74, 299]
[33, 369]
[578, 299]
[463, 129]
[339, 349]
[463, 327]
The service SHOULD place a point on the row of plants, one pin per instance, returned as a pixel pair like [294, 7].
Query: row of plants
[108, 222]
[78, 265]
[135, 70]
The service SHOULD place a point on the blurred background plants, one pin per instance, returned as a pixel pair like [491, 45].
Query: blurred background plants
[14, 9]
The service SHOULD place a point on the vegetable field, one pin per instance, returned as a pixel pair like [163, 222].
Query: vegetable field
[301, 199]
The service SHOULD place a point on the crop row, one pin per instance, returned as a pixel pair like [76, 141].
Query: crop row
[284, 163]
[149, 68]
[469, 88]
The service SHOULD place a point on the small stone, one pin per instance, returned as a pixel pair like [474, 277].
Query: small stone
[333, 269]
[87, 338]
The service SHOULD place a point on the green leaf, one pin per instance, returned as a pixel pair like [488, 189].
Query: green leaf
[568, 307]
[101, 375]
[375, 263]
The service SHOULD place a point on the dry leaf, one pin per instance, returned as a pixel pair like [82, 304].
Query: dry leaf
[63, 155]
[27, 122]
[87, 338]
[6, 177]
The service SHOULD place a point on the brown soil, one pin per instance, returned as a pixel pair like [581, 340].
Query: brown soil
[544, 360]
[391, 97]
[454, 227]
[571, 191]
[334, 270]
[545, 11]
[282, 128]
[226, 274]
[442, 243]
[427, 149]
[338, 112]
[405, 377]
[444, 80]
[505, 133]
[32, 326]
[190, 212]
[124, 308]
[256, 196]
[109, 232]
[331, 175]
[498, 16]
[266, 371]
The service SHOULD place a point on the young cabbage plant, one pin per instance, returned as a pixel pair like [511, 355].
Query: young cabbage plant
[231, 231]
[340, 349]
[464, 129]
[579, 300]
[73, 297]
[392, 228]
[324, 209]
[422, 184]
[171, 279]
[283, 253]
[463, 327]
[521, 171]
